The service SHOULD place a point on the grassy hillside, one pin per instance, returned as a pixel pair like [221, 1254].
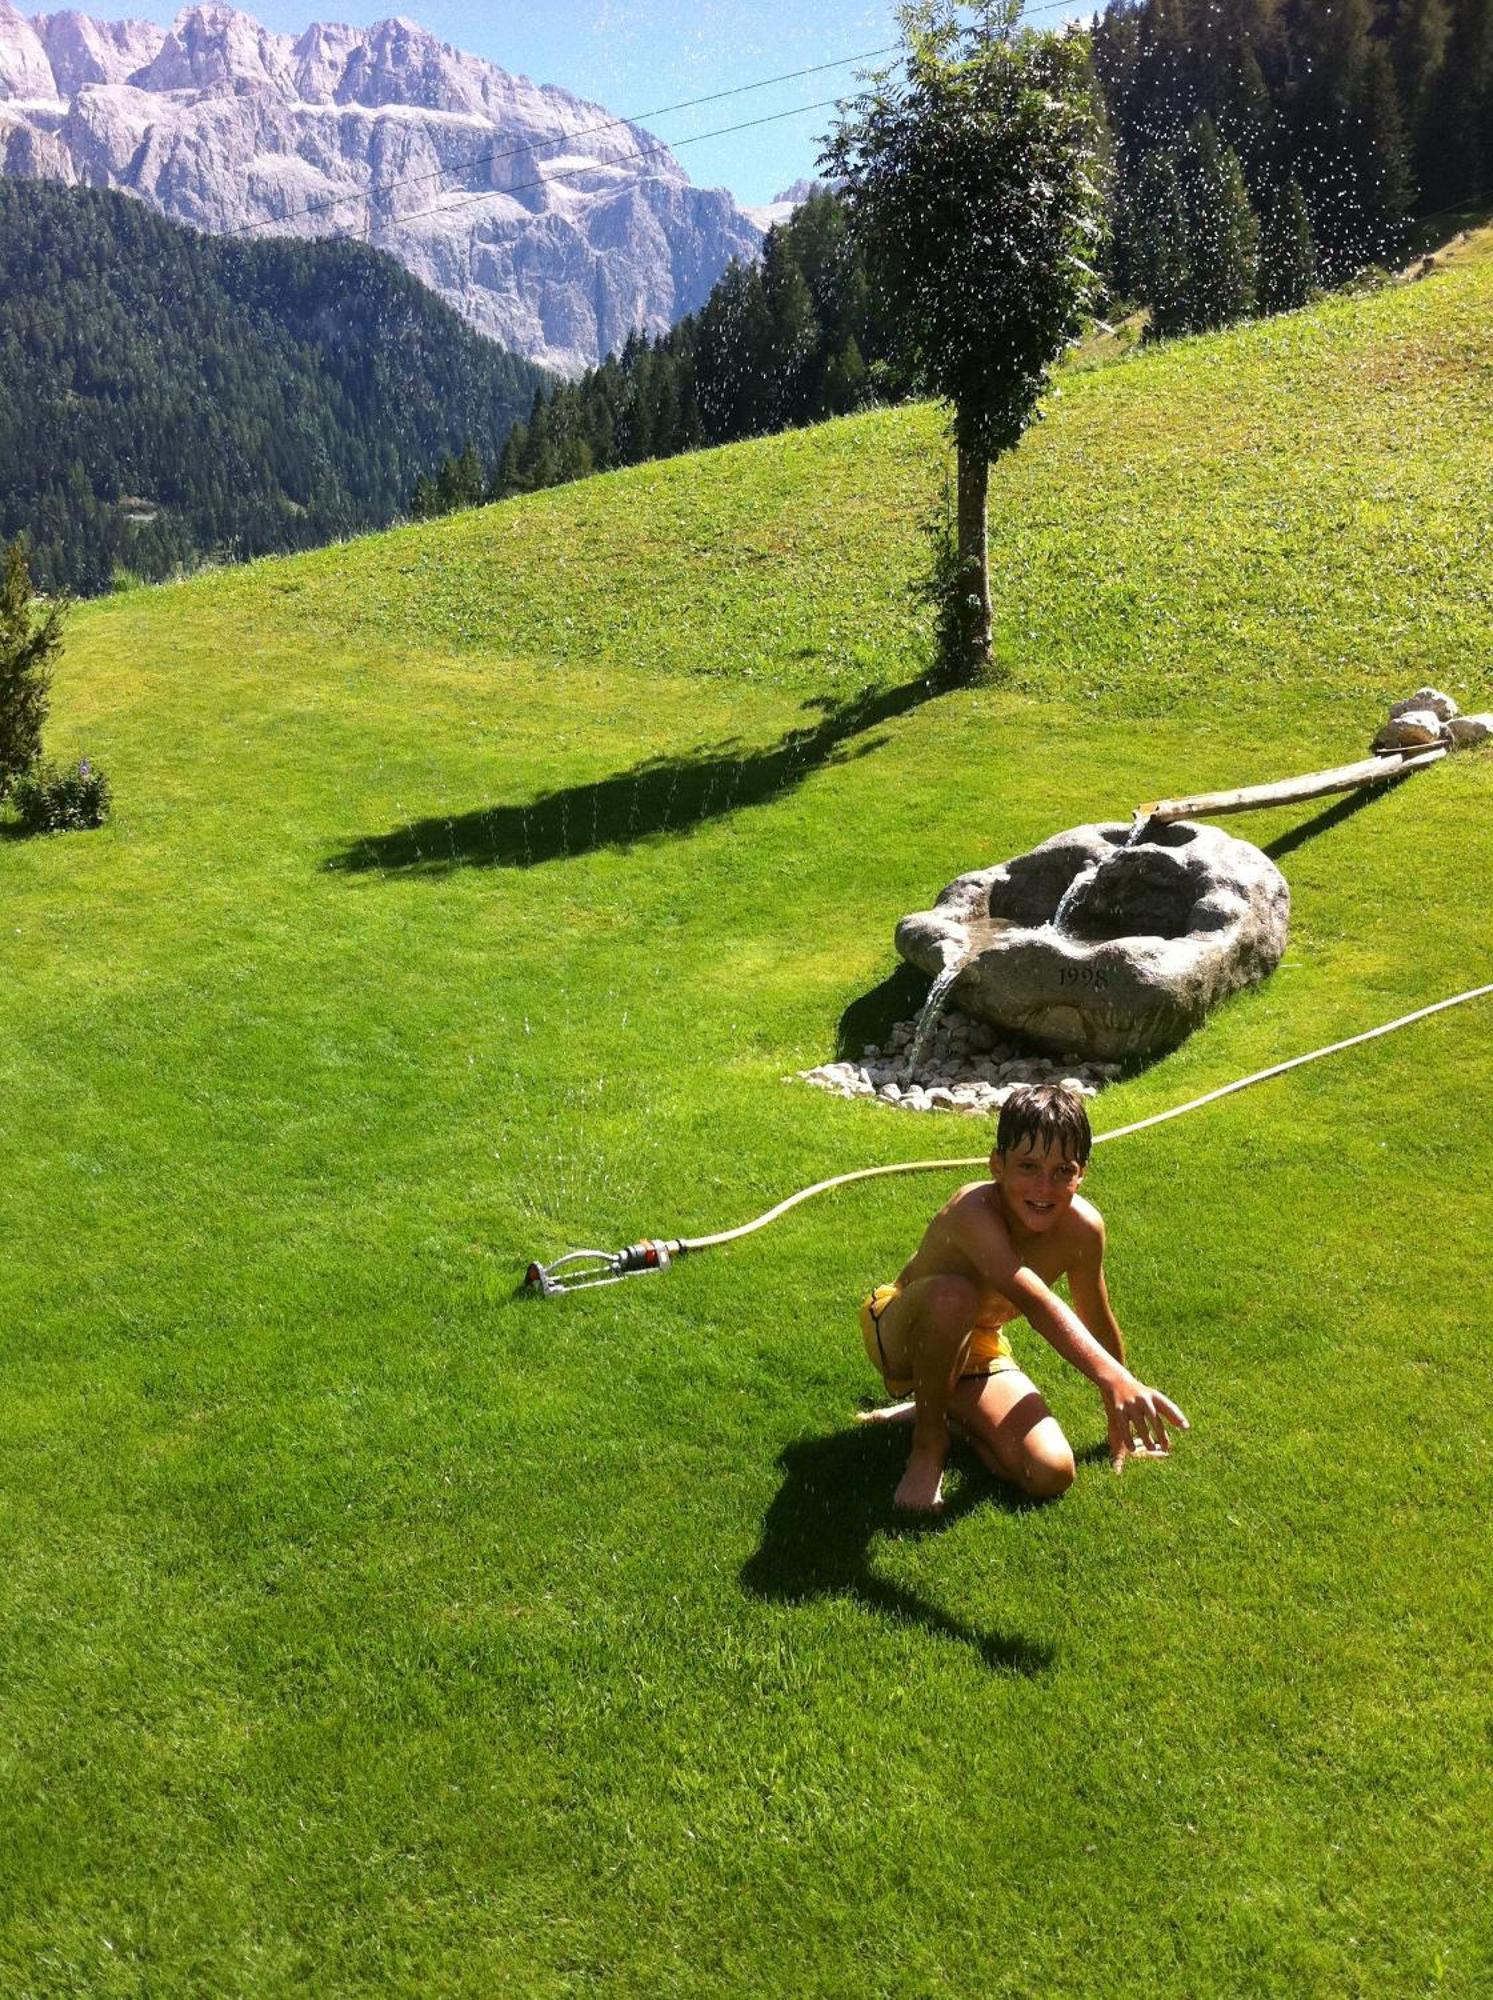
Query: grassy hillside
[472, 890]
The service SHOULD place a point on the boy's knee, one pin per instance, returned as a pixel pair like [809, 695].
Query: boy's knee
[1049, 1470]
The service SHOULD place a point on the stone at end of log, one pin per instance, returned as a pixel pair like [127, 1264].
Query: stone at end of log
[1440, 705]
[1414, 730]
[1469, 729]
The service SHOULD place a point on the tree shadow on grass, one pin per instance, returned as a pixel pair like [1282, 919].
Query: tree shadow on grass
[835, 1501]
[669, 794]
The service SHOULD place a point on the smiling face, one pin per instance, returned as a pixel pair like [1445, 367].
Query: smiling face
[1037, 1184]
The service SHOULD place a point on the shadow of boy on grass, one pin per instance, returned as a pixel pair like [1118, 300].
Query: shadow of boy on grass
[833, 1505]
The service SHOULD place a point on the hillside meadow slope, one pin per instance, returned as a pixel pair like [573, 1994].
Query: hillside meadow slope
[472, 891]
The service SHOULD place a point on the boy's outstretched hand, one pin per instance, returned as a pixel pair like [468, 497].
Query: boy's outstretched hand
[1137, 1418]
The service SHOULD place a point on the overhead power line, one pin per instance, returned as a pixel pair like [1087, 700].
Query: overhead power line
[325, 202]
[565, 139]
[646, 153]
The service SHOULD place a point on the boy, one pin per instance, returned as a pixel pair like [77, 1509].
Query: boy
[992, 1254]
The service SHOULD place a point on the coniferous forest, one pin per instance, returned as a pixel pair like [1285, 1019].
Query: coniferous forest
[1257, 150]
[170, 396]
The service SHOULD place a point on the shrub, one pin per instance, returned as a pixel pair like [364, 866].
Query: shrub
[30, 639]
[49, 799]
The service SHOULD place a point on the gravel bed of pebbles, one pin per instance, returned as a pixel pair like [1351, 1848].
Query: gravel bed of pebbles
[968, 1069]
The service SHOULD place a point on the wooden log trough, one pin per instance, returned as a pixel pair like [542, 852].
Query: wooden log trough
[1292, 791]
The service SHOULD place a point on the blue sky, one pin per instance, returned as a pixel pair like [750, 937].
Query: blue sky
[636, 55]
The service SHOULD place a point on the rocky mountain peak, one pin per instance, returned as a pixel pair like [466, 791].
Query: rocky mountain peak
[83, 51]
[208, 47]
[526, 207]
[321, 55]
[398, 62]
[25, 73]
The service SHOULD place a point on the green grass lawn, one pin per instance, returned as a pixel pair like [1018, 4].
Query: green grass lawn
[471, 892]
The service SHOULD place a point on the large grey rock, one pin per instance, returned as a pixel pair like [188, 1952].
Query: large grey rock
[223, 124]
[1153, 935]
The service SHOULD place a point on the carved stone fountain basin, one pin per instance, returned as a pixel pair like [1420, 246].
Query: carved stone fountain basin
[1106, 941]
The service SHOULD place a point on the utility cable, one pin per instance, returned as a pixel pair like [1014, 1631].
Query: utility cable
[326, 202]
[648, 152]
[561, 139]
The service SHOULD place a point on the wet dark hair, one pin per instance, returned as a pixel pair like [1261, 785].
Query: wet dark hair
[1047, 1115]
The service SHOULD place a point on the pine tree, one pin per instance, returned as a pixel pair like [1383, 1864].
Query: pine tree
[1247, 119]
[1222, 233]
[1288, 256]
[469, 480]
[1158, 236]
[538, 467]
[1382, 161]
[1459, 159]
[508, 479]
[845, 383]
[795, 335]
[447, 486]
[30, 641]
[1418, 49]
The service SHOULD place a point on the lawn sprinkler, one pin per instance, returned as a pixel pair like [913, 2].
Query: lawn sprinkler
[584, 1269]
[600, 1267]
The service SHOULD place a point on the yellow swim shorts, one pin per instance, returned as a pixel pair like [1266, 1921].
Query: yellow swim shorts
[989, 1350]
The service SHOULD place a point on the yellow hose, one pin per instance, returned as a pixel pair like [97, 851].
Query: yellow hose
[1100, 1138]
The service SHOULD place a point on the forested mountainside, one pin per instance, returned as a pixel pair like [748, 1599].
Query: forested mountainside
[167, 396]
[1355, 115]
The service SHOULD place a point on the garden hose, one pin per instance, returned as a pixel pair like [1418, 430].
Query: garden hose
[579, 1270]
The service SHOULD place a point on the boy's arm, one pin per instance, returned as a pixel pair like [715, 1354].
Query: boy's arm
[1136, 1417]
[1091, 1294]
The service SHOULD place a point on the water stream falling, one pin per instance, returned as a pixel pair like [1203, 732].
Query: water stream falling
[933, 1006]
[1070, 895]
[979, 933]
[1056, 922]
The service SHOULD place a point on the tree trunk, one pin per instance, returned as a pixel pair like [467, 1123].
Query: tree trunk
[974, 556]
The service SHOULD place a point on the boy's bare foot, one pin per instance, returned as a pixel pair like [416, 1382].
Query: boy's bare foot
[920, 1489]
[889, 1413]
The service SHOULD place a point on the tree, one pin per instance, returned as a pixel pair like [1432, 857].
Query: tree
[1459, 143]
[1382, 157]
[509, 476]
[1222, 233]
[30, 639]
[1157, 229]
[1418, 51]
[1288, 256]
[970, 185]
